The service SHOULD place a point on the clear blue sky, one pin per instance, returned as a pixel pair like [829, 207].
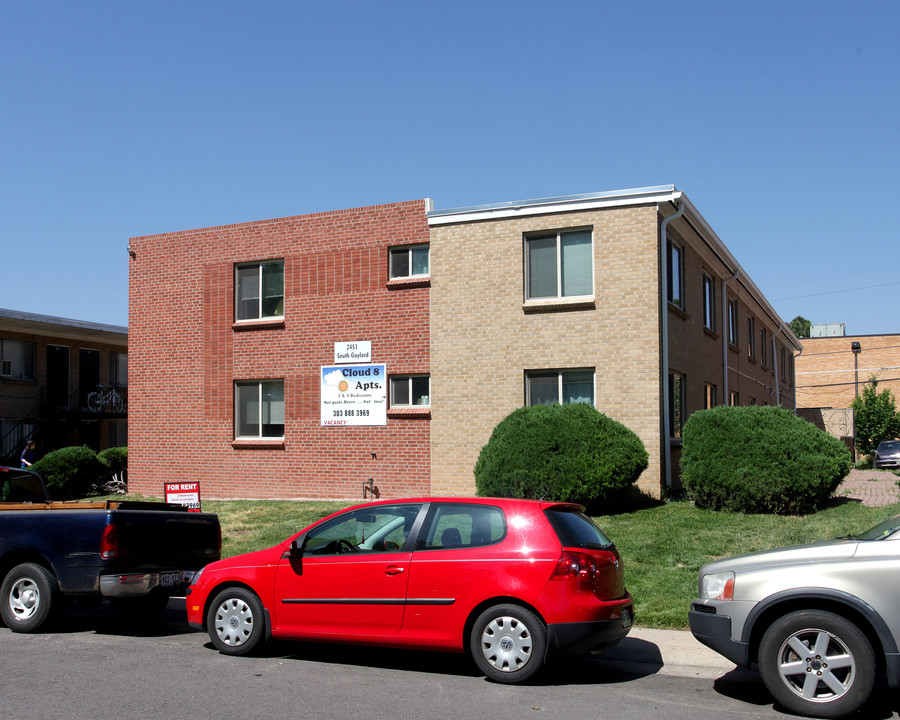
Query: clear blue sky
[778, 119]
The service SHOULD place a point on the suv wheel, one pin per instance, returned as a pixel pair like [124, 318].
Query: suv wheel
[817, 663]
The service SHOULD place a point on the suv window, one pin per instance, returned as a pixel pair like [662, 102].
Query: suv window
[575, 529]
[462, 526]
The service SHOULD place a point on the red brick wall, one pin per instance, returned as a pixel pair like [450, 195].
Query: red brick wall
[185, 355]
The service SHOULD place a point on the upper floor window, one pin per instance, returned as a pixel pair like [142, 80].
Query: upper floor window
[259, 290]
[118, 369]
[17, 359]
[409, 261]
[734, 399]
[762, 345]
[751, 337]
[711, 397]
[547, 387]
[559, 265]
[709, 302]
[675, 279]
[733, 322]
[410, 391]
[259, 409]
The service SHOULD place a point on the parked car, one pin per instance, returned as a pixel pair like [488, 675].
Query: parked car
[820, 620]
[887, 455]
[505, 580]
[136, 554]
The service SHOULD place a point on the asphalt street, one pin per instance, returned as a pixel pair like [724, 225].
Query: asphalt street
[94, 666]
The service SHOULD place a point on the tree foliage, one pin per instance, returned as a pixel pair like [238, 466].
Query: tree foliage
[875, 417]
[116, 461]
[760, 459]
[71, 472]
[801, 326]
[560, 452]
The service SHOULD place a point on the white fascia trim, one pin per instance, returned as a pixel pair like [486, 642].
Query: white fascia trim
[568, 203]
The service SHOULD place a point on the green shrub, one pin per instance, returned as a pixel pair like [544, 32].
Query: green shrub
[71, 472]
[559, 452]
[760, 460]
[116, 461]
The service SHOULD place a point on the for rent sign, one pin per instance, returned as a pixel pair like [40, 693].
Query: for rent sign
[354, 395]
[184, 493]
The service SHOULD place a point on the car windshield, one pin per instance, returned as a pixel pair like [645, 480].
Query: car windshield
[889, 446]
[882, 530]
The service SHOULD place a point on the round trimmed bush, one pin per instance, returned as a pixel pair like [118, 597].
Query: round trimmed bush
[71, 472]
[116, 461]
[559, 452]
[760, 459]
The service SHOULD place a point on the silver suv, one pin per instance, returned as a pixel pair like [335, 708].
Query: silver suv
[820, 620]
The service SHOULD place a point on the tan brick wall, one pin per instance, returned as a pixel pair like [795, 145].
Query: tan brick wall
[483, 341]
[826, 377]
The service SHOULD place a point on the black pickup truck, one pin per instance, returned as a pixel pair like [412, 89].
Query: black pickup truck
[137, 554]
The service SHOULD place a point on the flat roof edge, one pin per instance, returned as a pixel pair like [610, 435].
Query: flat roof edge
[562, 203]
[67, 322]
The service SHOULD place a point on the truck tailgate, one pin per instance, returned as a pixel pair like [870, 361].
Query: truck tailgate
[183, 541]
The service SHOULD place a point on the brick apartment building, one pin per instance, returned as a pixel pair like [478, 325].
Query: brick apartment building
[230, 329]
[833, 369]
[48, 367]
[577, 298]
[471, 313]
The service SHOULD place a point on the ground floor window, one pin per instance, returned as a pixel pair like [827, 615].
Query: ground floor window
[711, 398]
[676, 404]
[546, 387]
[259, 409]
[410, 390]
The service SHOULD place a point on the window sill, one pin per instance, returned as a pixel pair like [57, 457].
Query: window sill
[258, 443]
[550, 304]
[678, 311]
[734, 348]
[403, 283]
[712, 333]
[409, 411]
[263, 324]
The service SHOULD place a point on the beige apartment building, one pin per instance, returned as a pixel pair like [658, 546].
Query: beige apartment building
[627, 300]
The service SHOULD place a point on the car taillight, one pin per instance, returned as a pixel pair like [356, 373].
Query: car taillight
[574, 566]
[109, 542]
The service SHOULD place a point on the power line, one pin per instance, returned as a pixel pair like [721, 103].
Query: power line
[834, 292]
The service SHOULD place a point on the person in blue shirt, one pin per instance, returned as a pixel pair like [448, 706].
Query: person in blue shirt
[27, 457]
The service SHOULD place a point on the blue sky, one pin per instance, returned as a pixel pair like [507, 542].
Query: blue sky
[778, 119]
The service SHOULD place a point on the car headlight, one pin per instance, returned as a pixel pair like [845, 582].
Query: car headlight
[717, 586]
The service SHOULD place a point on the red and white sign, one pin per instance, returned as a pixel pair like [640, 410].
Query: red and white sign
[184, 493]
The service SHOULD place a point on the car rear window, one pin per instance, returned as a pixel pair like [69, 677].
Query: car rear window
[575, 529]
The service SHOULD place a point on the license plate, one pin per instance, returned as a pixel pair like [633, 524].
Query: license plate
[626, 618]
[168, 579]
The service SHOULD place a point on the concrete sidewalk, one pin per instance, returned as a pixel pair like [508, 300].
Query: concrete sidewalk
[668, 652]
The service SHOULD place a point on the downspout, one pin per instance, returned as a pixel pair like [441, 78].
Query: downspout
[664, 269]
[726, 399]
[776, 361]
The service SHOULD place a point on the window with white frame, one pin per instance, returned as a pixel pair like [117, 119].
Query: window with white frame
[675, 279]
[259, 290]
[548, 387]
[733, 322]
[559, 265]
[410, 261]
[709, 302]
[259, 409]
[17, 359]
[410, 391]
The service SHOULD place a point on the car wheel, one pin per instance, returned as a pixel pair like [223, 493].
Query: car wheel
[30, 594]
[817, 663]
[235, 621]
[508, 643]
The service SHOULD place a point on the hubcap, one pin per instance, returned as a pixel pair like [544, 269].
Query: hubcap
[506, 643]
[816, 665]
[234, 622]
[24, 598]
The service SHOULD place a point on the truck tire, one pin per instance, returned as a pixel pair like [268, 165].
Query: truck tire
[30, 595]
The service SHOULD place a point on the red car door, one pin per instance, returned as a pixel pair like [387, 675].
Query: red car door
[351, 577]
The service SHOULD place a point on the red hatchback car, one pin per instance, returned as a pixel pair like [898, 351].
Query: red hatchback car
[505, 580]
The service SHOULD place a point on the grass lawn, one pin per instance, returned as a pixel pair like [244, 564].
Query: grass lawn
[662, 547]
